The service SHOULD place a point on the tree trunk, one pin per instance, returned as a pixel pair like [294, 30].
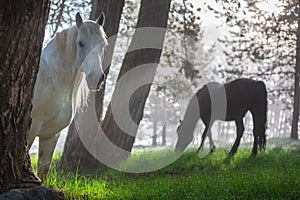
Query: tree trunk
[113, 140]
[154, 136]
[294, 133]
[113, 11]
[75, 155]
[164, 134]
[164, 128]
[139, 65]
[22, 25]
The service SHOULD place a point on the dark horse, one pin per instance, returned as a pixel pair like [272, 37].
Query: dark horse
[228, 102]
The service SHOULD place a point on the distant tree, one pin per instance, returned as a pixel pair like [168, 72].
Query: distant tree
[22, 26]
[295, 122]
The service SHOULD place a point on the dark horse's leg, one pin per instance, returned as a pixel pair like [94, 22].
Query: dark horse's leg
[207, 128]
[207, 132]
[255, 144]
[259, 115]
[239, 133]
[258, 133]
[211, 142]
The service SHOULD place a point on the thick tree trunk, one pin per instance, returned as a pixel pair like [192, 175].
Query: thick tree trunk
[22, 25]
[75, 155]
[294, 133]
[142, 62]
[152, 14]
[113, 11]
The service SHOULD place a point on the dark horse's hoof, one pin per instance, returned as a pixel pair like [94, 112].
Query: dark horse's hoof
[252, 156]
[228, 158]
[212, 149]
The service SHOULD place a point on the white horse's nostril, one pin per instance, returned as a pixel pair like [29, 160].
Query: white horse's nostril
[101, 79]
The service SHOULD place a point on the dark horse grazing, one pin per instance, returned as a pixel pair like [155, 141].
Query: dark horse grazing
[228, 102]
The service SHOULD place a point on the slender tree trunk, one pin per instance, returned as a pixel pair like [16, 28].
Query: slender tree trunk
[75, 155]
[164, 134]
[294, 133]
[282, 127]
[154, 136]
[152, 13]
[164, 128]
[22, 26]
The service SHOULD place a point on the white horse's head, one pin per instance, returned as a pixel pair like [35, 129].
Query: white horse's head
[91, 40]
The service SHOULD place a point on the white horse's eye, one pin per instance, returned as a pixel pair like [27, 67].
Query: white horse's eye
[80, 44]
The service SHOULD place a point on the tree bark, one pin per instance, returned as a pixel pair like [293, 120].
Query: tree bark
[294, 133]
[113, 11]
[152, 14]
[75, 155]
[22, 25]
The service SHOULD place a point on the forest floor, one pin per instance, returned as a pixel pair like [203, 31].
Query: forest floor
[273, 174]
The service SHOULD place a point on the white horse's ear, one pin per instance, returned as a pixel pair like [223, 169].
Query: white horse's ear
[101, 19]
[79, 20]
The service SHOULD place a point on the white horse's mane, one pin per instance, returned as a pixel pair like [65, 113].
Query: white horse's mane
[66, 44]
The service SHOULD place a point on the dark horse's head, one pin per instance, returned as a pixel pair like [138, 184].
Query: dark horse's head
[187, 125]
[183, 139]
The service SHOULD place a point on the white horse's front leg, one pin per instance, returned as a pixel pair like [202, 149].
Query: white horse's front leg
[46, 149]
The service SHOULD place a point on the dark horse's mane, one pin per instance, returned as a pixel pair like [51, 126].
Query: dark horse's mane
[227, 102]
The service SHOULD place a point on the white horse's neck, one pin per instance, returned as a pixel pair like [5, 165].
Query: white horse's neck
[65, 44]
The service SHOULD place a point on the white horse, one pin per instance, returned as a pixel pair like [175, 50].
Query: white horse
[60, 87]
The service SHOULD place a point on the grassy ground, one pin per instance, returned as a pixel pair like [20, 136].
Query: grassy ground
[274, 174]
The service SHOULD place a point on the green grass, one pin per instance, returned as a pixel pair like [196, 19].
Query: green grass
[274, 174]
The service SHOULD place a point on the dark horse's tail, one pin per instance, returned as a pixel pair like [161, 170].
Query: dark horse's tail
[264, 104]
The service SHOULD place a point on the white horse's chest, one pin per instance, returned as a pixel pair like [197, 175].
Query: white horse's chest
[52, 106]
[55, 124]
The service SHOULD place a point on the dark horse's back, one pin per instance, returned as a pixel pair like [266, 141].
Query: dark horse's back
[243, 95]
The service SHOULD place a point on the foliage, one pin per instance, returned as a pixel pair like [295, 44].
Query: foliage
[62, 13]
[274, 174]
[184, 52]
[129, 18]
[261, 42]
